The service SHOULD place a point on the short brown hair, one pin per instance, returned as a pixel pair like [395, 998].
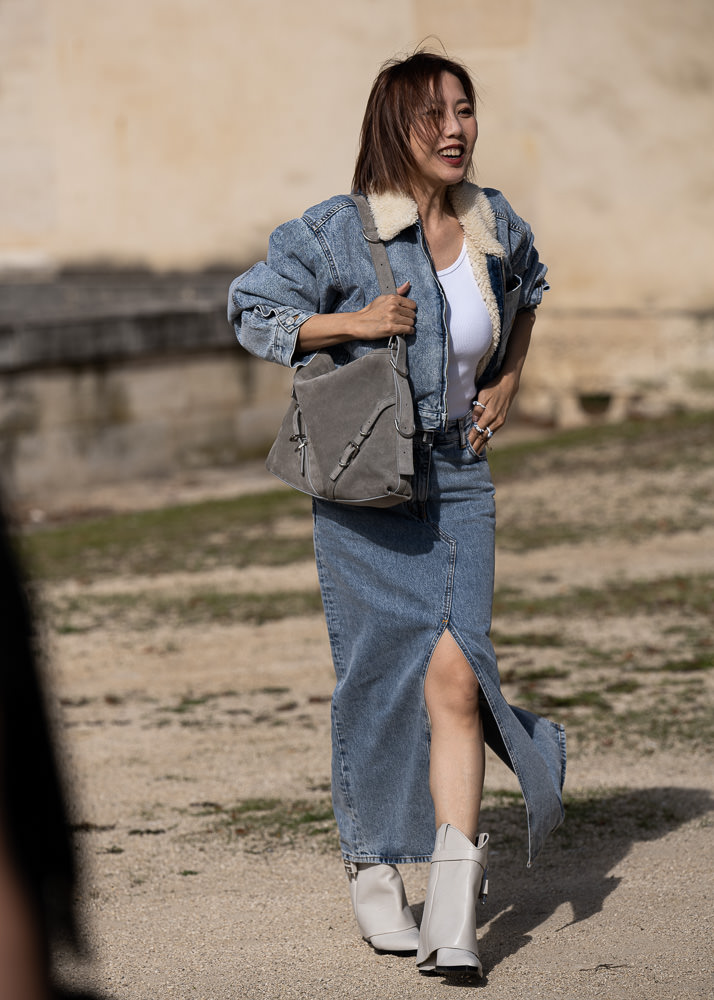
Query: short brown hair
[403, 97]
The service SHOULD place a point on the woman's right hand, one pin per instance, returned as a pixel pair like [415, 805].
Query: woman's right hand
[385, 316]
[388, 316]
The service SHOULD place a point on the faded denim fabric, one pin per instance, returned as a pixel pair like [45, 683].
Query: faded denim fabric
[392, 582]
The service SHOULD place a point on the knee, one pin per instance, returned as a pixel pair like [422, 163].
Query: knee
[454, 692]
[463, 695]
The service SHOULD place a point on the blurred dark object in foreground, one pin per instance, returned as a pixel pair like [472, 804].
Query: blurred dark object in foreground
[38, 870]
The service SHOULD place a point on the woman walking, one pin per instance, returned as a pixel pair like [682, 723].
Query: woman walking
[408, 590]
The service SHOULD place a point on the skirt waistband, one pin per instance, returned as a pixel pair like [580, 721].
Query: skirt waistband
[458, 428]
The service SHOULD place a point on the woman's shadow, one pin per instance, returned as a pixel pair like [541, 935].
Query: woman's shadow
[599, 831]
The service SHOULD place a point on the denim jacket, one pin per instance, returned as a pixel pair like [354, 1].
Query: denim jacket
[321, 263]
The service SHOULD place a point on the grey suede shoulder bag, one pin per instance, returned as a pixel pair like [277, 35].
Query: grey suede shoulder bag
[347, 433]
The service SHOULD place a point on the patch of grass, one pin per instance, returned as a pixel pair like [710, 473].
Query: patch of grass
[688, 595]
[529, 678]
[635, 698]
[623, 687]
[287, 706]
[188, 703]
[547, 702]
[236, 532]
[654, 717]
[532, 639]
[689, 666]
[681, 442]
[259, 822]
[551, 531]
[141, 610]
[247, 530]
[677, 439]
[597, 655]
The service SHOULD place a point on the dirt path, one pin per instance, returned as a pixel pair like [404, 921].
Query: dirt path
[201, 758]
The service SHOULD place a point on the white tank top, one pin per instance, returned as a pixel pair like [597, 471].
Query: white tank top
[470, 332]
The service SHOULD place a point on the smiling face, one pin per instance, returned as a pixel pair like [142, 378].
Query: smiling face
[443, 146]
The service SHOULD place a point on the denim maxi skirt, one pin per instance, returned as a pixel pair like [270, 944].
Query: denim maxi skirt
[392, 581]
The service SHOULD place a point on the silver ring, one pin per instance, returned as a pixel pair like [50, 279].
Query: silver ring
[476, 427]
[489, 433]
[482, 405]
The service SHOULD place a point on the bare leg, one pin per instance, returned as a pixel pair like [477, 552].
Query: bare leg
[457, 766]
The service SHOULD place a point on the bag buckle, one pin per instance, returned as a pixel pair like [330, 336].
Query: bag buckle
[301, 445]
[344, 460]
[348, 454]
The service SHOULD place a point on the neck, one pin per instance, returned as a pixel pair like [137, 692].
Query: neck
[432, 203]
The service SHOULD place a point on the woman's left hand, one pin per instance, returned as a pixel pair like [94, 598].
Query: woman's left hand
[494, 400]
[491, 409]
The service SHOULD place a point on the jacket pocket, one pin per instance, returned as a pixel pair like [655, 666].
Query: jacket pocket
[510, 305]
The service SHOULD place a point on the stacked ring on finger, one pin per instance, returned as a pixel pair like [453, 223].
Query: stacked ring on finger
[483, 430]
[482, 405]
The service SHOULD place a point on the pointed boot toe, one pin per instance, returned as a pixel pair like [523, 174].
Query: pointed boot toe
[380, 906]
[397, 942]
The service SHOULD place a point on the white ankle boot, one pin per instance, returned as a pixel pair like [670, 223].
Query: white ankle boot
[380, 905]
[457, 878]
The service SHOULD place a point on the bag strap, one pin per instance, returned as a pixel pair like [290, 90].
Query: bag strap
[377, 248]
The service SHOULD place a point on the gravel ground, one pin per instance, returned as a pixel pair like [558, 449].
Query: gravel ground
[170, 731]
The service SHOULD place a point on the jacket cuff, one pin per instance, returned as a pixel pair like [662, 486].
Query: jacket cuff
[535, 296]
[271, 332]
[287, 328]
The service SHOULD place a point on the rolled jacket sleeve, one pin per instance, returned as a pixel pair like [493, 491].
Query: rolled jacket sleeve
[268, 304]
[516, 237]
[527, 264]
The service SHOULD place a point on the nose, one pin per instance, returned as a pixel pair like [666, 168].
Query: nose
[452, 124]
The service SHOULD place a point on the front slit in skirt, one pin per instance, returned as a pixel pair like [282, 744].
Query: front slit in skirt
[392, 581]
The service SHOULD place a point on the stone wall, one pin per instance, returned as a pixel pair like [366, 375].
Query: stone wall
[126, 376]
[172, 136]
[68, 429]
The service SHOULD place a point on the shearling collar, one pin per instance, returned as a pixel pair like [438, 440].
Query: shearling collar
[394, 212]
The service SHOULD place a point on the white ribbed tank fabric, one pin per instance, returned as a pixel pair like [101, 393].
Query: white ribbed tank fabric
[470, 333]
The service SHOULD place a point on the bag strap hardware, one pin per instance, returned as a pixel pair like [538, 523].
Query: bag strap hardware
[371, 239]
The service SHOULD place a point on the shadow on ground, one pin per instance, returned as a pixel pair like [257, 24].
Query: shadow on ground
[599, 831]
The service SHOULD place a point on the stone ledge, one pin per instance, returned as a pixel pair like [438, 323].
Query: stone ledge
[70, 343]
[92, 318]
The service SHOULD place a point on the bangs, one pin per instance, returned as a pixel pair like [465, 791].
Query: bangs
[428, 109]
